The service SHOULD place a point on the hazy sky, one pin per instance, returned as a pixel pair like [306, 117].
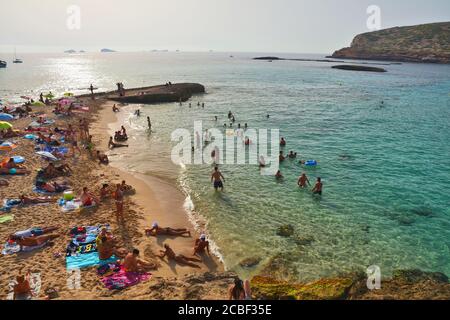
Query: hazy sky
[307, 26]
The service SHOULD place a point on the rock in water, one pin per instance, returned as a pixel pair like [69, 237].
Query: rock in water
[286, 230]
[358, 68]
[250, 262]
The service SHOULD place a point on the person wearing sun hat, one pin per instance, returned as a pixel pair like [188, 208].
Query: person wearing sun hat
[201, 244]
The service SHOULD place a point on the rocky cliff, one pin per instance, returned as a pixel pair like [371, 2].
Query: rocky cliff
[422, 43]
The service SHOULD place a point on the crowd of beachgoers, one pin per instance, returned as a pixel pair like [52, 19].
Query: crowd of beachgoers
[64, 210]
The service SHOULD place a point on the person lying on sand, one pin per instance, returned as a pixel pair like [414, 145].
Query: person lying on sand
[52, 171]
[200, 245]
[112, 144]
[106, 246]
[156, 230]
[33, 241]
[132, 263]
[52, 187]
[14, 171]
[9, 133]
[102, 158]
[179, 258]
[11, 164]
[22, 289]
[87, 198]
[35, 200]
[33, 237]
[115, 109]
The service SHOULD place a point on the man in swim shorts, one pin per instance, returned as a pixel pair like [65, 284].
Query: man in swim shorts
[217, 177]
[318, 187]
[303, 180]
[132, 263]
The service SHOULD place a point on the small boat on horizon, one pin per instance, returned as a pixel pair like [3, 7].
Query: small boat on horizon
[3, 64]
[16, 60]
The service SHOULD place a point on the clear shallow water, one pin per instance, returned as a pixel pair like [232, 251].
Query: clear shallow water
[386, 204]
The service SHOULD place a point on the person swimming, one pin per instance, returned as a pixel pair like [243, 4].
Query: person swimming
[281, 157]
[282, 142]
[278, 175]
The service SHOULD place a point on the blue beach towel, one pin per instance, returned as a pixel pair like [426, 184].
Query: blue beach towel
[86, 260]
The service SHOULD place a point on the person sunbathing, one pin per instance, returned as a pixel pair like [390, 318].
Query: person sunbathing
[156, 230]
[87, 198]
[22, 289]
[13, 171]
[32, 241]
[103, 158]
[24, 200]
[200, 245]
[10, 133]
[52, 187]
[51, 171]
[10, 164]
[179, 258]
[132, 263]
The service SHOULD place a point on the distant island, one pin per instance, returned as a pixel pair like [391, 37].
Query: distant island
[428, 43]
[107, 50]
[70, 51]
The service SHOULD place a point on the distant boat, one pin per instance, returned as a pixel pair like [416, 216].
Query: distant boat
[3, 64]
[16, 60]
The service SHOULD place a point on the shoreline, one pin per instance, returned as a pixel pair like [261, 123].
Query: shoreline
[159, 201]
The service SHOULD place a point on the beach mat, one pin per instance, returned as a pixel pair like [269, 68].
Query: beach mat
[15, 248]
[121, 279]
[6, 218]
[82, 249]
[86, 260]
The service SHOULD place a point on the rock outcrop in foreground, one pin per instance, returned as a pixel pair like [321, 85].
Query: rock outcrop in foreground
[404, 285]
[422, 43]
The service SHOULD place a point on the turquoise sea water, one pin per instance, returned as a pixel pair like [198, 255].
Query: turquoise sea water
[386, 202]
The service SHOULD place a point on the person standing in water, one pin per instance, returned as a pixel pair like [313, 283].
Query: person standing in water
[149, 124]
[217, 177]
[303, 180]
[318, 187]
[91, 88]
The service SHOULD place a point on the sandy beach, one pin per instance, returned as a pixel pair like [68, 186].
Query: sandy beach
[154, 200]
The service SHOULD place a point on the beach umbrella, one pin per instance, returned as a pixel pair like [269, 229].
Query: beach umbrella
[5, 125]
[47, 155]
[6, 117]
[7, 146]
[68, 94]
